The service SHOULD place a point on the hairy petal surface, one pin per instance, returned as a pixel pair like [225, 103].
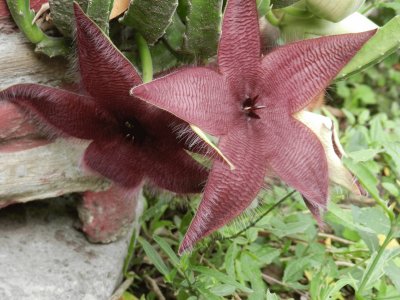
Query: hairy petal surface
[228, 193]
[239, 47]
[127, 164]
[199, 96]
[104, 70]
[174, 170]
[117, 160]
[66, 113]
[298, 158]
[296, 73]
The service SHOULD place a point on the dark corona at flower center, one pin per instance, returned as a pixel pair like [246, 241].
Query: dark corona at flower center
[250, 107]
[133, 131]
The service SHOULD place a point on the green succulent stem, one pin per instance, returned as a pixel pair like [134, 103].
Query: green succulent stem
[377, 258]
[145, 58]
[270, 16]
[23, 17]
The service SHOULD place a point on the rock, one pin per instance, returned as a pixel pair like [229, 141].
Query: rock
[43, 257]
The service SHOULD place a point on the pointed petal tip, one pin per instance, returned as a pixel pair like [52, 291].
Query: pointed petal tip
[188, 243]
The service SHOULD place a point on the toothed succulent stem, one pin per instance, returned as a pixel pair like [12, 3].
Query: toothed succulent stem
[23, 17]
[145, 58]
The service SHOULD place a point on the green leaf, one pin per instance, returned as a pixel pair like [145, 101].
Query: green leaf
[223, 290]
[154, 257]
[295, 269]
[150, 18]
[271, 296]
[379, 269]
[366, 177]
[391, 188]
[336, 287]
[250, 268]
[128, 296]
[364, 94]
[221, 277]
[382, 44]
[363, 155]
[207, 294]
[230, 258]
[167, 250]
[203, 27]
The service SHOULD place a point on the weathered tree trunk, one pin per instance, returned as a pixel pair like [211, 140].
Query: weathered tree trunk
[33, 167]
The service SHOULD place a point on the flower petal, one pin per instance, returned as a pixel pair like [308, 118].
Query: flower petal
[298, 158]
[307, 67]
[175, 170]
[323, 128]
[229, 193]
[106, 73]
[198, 96]
[116, 159]
[127, 164]
[66, 113]
[239, 47]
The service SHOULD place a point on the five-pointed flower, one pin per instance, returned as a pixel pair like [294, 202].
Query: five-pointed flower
[249, 102]
[131, 140]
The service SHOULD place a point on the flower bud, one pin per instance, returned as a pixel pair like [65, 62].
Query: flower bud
[333, 11]
[297, 28]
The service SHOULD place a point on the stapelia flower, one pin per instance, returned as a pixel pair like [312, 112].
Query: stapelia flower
[249, 102]
[131, 140]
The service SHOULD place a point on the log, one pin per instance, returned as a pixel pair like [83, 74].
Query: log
[34, 167]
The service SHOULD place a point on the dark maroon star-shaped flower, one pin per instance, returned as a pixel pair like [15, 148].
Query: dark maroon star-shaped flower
[250, 102]
[131, 140]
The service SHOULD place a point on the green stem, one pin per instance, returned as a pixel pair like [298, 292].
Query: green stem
[287, 196]
[375, 261]
[388, 211]
[272, 18]
[23, 17]
[145, 58]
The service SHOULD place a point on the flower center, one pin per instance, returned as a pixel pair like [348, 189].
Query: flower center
[250, 107]
[133, 131]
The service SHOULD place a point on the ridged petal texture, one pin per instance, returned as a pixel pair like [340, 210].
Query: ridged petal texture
[253, 114]
[239, 46]
[229, 193]
[196, 95]
[307, 67]
[131, 140]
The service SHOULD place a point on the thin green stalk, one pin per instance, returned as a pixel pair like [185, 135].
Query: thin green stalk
[287, 196]
[388, 211]
[375, 261]
[145, 58]
[128, 258]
